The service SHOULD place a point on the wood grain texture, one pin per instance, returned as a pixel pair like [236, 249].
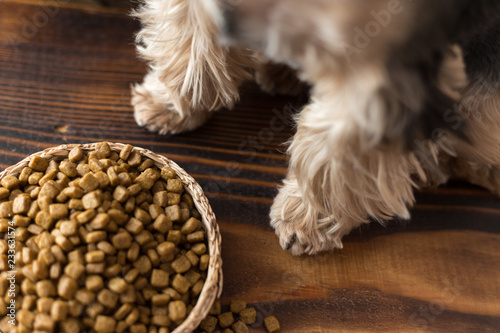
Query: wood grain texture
[66, 80]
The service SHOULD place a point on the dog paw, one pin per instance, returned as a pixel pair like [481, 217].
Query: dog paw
[157, 114]
[301, 230]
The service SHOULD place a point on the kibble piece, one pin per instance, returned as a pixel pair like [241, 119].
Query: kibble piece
[226, 319]
[239, 327]
[192, 257]
[166, 250]
[6, 209]
[147, 178]
[44, 304]
[40, 269]
[95, 268]
[38, 163]
[174, 236]
[105, 324]
[161, 198]
[142, 215]
[162, 224]
[237, 306]
[216, 308]
[94, 309]
[123, 311]
[113, 270]
[124, 179]
[209, 324]
[174, 295]
[131, 275]
[159, 278]
[45, 288]
[113, 176]
[94, 282]
[125, 152]
[34, 178]
[92, 200]
[84, 296]
[181, 264]
[191, 226]
[97, 236]
[68, 168]
[153, 257]
[134, 226]
[174, 185]
[94, 256]
[82, 169]
[160, 321]
[143, 264]
[143, 238]
[59, 310]
[43, 322]
[118, 285]
[66, 287]
[21, 204]
[89, 183]
[74, 270]
[106, 247]
[132, 317]
[180, 283]
[4, 193]
[204, 260]
[173, 213]
[160, 299]
[100, 221]
[192, 276]
[248, 315]
[121, 193]
[86, 216]
[75, 154]
[122, 240]
[58, 211]
[55, 270]
[173, 199]
[133, 252]
[155, 211]
[272, 324]
[95, 165]
[167, 173]
[196, 237]
[197, 288]
[25, 317]
[177, 310]
[107, 298]
[188, 199]
[69, 228]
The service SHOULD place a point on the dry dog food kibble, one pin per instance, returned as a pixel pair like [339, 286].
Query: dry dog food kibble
[236, 320]
[104, 241]
[272, 324]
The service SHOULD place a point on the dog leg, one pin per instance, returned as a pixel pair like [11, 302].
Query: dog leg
[335, 185]
[190, 74]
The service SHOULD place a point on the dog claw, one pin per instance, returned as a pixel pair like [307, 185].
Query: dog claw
[291, 242]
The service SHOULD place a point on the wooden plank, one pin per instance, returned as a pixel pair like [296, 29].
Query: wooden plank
[69, 82]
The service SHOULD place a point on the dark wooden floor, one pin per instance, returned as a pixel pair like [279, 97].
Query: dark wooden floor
[65, 73]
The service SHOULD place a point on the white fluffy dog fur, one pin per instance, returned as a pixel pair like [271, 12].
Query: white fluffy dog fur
[403, 96]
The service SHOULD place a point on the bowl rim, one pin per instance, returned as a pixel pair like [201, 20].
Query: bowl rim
[212, 287]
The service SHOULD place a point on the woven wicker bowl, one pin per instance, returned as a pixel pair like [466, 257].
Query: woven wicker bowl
[213, 284]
